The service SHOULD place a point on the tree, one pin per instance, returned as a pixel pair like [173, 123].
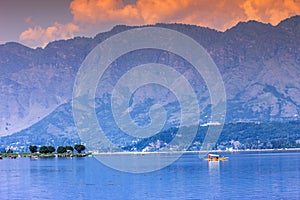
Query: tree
[79, 148]
[9, 151]
[61, 149]
[69, 149]
[44, 149]
[51, 149]
[33, 149]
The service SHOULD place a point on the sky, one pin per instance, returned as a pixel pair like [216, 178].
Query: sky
[35, 23]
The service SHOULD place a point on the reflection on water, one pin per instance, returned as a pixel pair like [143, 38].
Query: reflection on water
[214, 179]
[137, 163]
[259, 176]
[214, 167]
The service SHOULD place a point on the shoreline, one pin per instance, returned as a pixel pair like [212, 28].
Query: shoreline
[128, 153]
[197, 152]
[37, 155]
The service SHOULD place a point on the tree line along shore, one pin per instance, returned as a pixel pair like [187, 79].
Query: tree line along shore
[47, 152]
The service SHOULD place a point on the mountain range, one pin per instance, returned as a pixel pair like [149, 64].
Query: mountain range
[259, 64]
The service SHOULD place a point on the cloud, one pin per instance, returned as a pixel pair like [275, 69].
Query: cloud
[210, 13]
[93, 16]
[270, 11]
[217, 14]
[103, 11]
[213, 13]
[38, 36]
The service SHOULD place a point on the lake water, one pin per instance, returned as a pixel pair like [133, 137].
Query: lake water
[244, 176]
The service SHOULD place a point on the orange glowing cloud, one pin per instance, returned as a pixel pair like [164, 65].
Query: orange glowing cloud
[217, 14]
[103, 11]
[99, 15]
[270, 11]
[212, 13]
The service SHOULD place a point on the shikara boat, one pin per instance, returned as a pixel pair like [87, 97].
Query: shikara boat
[215, 157]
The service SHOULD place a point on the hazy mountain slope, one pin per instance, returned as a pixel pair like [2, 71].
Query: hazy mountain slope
[259, 63]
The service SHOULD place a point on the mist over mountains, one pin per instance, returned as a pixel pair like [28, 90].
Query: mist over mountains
[259, 64]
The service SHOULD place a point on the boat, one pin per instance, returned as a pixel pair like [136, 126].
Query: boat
[215, 157]
[34, 157]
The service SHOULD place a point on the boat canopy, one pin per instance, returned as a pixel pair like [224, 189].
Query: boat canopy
[213, 155]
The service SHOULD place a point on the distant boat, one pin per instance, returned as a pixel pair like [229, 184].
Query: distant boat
[0, 157]
[215, 157]
[34, 157]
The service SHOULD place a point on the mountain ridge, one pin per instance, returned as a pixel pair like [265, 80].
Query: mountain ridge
[259, 63]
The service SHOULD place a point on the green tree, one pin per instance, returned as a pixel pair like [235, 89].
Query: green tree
[61, 149]
[33, 149]
[51, 149]
[69, 149]
[44, 149]
[9, 151]
[79, 148]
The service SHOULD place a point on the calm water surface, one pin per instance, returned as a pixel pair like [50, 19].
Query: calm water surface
[244, 176]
